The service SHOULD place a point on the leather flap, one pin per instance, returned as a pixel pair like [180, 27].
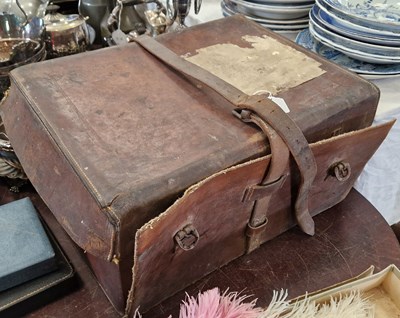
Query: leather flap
[214, 208]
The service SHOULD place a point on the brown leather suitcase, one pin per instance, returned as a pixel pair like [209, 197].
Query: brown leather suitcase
[112, 138]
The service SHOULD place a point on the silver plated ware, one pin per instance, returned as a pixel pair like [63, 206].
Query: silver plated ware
[65, 34]
[178, 10]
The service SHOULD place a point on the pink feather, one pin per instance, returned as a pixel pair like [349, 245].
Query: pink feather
[211, 304]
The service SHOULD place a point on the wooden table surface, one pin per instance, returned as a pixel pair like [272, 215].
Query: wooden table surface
[349, 238]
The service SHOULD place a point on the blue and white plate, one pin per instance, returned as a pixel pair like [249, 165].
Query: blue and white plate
[305, 39]
[377, 14]
[356, 54]
[339, 42]
[359, 55]
[333, 18]
[329, 23]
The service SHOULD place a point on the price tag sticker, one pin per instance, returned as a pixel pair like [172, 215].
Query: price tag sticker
[277, 100]
[280, 102]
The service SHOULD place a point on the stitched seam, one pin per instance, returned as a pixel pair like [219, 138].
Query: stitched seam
[35, 291]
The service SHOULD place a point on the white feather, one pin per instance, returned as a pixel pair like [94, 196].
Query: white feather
[352, 305]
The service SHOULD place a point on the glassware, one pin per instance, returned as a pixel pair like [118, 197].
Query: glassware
[25, 10]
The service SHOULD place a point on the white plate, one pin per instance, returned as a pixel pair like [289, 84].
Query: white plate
[359, 55]
[329, 23]
[228, 9]
[368, 70]
[283, 2]
[391, 52]
[279, 28]
[272, 11]
[345, 23]
[380, 14]
[291, 35]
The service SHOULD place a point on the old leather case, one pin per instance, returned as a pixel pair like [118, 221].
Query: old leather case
[111, 138]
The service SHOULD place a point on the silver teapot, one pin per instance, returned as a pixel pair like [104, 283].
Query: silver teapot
[65, 34]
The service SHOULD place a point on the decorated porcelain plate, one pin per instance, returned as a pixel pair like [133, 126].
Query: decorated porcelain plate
[228, 9]
[277, 12]
[383, 51]
[305, 39]
[356, 54]
[329, 23]
[379, 14]
[344, 23]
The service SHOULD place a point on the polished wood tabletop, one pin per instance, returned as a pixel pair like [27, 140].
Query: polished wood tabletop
[349, 238]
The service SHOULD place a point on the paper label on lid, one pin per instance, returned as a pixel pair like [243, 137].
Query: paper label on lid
[267, 65]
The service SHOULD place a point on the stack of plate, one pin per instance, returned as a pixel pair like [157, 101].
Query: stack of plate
[362, 35]
[281, 16]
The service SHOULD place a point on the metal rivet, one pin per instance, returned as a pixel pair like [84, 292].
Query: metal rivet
[340, 170]
[187, 238]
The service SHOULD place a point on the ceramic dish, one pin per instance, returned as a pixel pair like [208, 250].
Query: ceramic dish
[305, 39]
[380, 14]
[276, 27]
[271, 26]
[291, 35]
[367, 48]
[277, 12]
[328, 23]
[283, 2]
[356, 54]
[343, 23]
[228, 9]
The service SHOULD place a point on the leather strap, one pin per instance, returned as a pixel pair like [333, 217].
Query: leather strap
[273, 180]
[264, 108]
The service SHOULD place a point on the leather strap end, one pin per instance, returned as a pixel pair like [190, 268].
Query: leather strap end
[306, 223]
[253, 234]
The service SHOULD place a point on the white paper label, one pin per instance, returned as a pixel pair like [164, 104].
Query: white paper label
[280, 102]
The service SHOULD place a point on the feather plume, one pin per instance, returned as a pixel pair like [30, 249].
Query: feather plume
[213, 304]
[352, 305]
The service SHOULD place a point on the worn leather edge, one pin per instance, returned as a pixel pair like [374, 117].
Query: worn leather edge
[385, 127]
[34, 112]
